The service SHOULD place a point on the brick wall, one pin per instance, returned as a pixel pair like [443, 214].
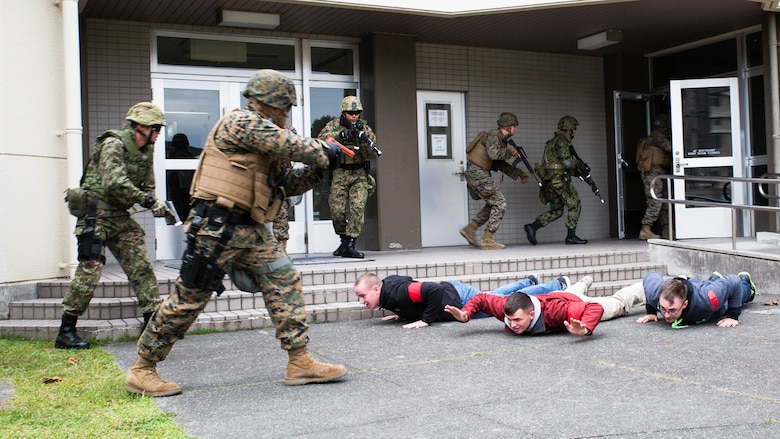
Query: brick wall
[539, 88]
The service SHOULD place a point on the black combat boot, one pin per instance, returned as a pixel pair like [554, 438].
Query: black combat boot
[350, 251]
[571, 238]
[67, 338]
[340, 251]
[530, 231]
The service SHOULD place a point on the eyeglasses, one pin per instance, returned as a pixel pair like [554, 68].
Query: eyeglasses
[670, 312]
[156, 128]
[353, 113]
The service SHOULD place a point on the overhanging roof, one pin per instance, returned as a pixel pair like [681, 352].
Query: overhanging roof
[534, 25]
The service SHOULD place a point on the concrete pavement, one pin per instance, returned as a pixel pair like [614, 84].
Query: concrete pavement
[456, 380]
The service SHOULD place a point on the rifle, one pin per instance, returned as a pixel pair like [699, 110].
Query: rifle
[355, 131]
[523, 157]
[371, 144]
[582, 171]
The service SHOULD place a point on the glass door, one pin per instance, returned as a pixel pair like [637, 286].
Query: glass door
[191, 109]
[706, 141]
[324, 103]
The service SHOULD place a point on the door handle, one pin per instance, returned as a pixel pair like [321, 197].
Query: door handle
[461, 173]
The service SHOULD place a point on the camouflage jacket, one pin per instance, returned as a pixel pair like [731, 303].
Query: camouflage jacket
[119, 173]
[362, 154]
[499, 151]
[557, 159]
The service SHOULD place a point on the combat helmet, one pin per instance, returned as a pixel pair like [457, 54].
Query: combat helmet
[146, 113]
[351, 103]
[271, 88]
[567, 123]
[507, 119]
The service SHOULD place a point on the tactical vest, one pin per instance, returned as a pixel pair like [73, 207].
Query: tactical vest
[137, 164]
[238, 180]
[477, 152]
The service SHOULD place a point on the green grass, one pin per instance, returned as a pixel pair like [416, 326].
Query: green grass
[89, 400]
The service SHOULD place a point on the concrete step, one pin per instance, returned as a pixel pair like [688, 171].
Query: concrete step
[115, 284]
[113, 313]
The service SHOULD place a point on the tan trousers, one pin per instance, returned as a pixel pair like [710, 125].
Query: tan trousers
[616, 305]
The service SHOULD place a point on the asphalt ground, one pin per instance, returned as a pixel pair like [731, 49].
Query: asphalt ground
[454, 380]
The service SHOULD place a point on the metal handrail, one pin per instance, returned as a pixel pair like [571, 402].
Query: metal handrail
[765, 179]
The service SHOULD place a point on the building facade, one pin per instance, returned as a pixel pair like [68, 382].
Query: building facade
[82, 67]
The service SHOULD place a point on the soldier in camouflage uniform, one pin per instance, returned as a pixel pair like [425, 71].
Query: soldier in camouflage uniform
[234, 195]
[556, 169]
[119, 174]
[655, 162]
[486, 156]
[352, 184]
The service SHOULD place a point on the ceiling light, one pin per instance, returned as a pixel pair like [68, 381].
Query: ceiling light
[601, 39]
[247, 19]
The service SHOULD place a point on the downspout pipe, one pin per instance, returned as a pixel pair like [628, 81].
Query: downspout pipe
[73, 131]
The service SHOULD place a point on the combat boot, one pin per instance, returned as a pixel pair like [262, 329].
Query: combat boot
[469, 232]
[340, 251]
[303, 369]
[67, 338]
[487, 243]
[572, 238]
[530, 231]
[142, 379]
[349, 250]
[646, 233]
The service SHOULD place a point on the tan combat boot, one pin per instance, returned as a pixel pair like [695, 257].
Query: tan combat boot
[487, 242]
[646, 233]
[303, 369]
[469, 232]
[142, 379]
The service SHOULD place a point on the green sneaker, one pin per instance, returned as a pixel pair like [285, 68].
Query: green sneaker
[717, 274]
[745, 276]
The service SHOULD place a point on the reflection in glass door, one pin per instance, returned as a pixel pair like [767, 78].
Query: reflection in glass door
[191, 109]
[324, 105]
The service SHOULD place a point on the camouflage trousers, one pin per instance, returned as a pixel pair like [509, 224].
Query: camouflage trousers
[495, 204]
[347, 200]
[125, 238]
[281, 222]
[655, 209]
[250, 247]
[567, 196]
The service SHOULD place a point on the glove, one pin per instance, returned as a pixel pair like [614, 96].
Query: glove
[523, 177]
[344, 134]
[334, 153]
[514, 152]
[159, 209]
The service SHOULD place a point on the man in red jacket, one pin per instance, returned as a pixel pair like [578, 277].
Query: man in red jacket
[569, 310]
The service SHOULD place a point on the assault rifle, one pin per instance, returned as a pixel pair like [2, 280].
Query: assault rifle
[582, 171]
[523, 157]
[355, 131]
[371, 144]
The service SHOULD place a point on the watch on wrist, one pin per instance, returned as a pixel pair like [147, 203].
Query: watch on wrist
[148, 202]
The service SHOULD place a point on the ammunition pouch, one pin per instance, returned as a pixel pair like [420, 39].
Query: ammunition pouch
[473, 193]
[244, 278]
[76, 200]
[199, 271]
[90, 248]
